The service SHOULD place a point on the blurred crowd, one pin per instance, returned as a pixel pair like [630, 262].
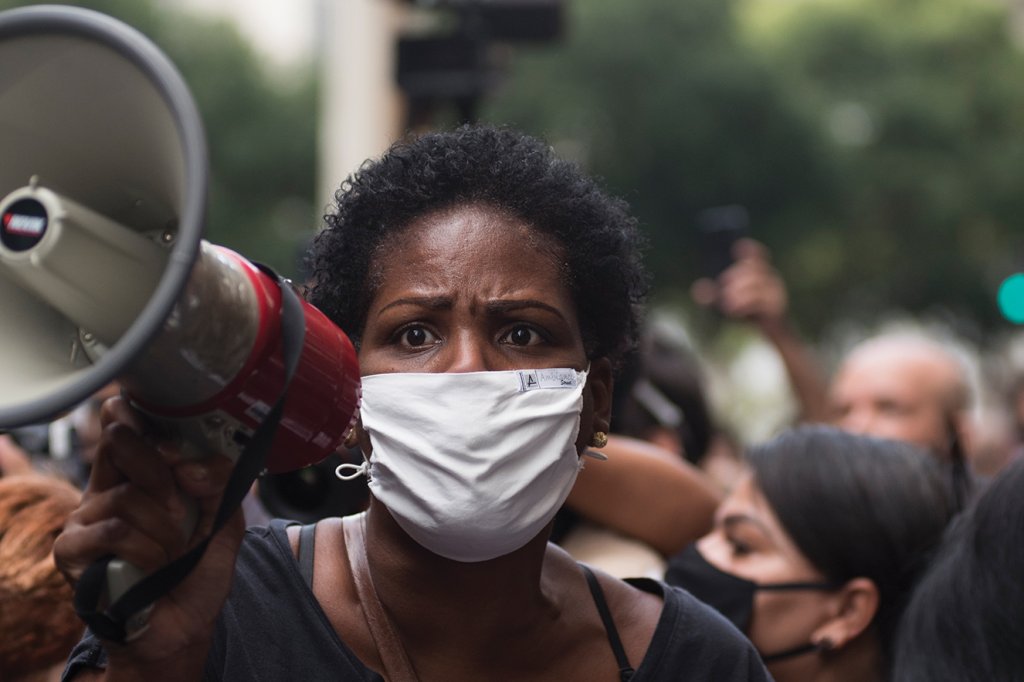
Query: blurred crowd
[879, 527]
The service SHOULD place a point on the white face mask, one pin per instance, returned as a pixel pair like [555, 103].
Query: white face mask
[472, 465]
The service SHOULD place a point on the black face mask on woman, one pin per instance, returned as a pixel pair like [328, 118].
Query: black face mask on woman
[731, 595]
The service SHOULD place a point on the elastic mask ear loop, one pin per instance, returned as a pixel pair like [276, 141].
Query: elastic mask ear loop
[823, 645]
[352, 442]
[349, 471]
[791, 653]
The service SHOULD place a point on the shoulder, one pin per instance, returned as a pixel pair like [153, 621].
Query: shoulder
[265, 558]
[268, 540]
[692, 637]
[629, 601]
[272, 626]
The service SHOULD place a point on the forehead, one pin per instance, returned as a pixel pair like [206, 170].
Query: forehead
[747, 501]
[472, 248]
[889, 373]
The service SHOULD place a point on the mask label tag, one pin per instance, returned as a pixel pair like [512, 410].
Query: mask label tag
[533, 379]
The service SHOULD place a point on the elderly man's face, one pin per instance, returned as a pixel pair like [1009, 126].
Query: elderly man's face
[894, 395]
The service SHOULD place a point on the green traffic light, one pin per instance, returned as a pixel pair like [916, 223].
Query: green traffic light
[1011, 298]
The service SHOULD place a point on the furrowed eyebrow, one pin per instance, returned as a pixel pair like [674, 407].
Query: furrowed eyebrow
[493, 307]
[431, 302]
[504, 306]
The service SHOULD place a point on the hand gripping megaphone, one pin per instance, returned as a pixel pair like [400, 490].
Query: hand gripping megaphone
[104, 273]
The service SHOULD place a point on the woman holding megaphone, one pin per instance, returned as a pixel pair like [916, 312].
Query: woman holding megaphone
[490, 288]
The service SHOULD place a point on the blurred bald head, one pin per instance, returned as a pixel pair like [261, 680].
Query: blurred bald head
[901, 387]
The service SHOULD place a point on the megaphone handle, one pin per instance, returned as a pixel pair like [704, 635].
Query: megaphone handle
[122, 575]
[126, 616]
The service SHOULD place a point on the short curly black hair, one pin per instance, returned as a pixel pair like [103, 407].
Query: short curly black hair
[512, 172]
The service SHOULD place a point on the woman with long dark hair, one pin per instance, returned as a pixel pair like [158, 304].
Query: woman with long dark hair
[815, 554]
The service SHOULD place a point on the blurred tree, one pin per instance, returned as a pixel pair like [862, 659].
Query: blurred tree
[921, 104]
[261, 132]
[661, 100]
[875, 143]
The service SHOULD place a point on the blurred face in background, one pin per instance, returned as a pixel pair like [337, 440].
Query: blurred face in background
[748, 541]
[896, 391]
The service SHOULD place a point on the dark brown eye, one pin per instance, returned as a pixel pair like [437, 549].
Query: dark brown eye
[522, 335]
[416, 336]
[739, 548]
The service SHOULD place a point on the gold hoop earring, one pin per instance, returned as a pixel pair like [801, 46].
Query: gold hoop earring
[599, 439]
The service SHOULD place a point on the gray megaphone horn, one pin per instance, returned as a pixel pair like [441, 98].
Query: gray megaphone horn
[104, 274]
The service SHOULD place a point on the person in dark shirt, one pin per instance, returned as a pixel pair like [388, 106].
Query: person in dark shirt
[490, 289]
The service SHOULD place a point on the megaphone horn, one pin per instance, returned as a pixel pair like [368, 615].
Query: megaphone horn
[104, 274]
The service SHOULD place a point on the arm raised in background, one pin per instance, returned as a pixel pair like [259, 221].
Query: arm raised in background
[751, 289]
[647, 493]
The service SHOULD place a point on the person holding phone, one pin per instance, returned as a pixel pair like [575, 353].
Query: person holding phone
[749, 288]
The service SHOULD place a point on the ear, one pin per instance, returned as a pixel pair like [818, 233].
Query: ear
[600, 384]
[357, 438]
[966, 430]
[855, 606]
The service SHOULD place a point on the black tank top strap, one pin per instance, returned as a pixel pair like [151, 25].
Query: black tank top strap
[625, 669]
[307, 538]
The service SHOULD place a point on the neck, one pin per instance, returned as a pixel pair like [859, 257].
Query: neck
[436, 602]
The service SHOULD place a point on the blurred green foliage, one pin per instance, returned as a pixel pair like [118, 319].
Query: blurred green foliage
[261, 132]
[878, 144]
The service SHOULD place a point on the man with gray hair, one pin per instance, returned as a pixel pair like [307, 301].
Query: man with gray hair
[903, 387]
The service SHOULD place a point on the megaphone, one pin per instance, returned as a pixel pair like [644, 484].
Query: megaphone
[104, 274]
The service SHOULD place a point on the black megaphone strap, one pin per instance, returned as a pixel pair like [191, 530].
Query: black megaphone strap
[111, 624]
